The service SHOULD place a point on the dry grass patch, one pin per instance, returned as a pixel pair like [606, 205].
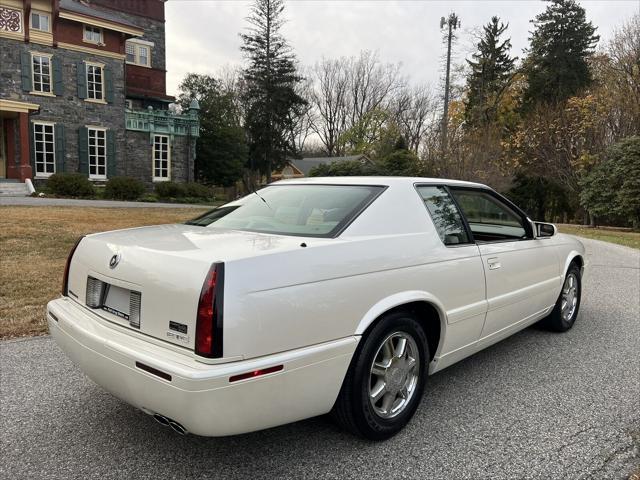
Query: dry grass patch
[627, 238]
[34, 244]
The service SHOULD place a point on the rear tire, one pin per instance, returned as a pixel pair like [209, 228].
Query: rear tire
[385, 381]
[564, 314]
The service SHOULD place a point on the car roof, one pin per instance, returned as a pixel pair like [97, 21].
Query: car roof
[373, 180]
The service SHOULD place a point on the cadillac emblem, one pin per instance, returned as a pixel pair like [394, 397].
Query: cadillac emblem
[115, 260]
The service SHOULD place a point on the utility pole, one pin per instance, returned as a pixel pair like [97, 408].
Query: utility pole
[452, 23]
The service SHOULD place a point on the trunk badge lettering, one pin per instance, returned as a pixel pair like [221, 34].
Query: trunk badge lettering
[115, 260]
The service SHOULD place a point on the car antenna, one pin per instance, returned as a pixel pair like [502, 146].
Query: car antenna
[260, 197]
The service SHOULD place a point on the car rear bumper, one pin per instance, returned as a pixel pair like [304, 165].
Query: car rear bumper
[201, 396]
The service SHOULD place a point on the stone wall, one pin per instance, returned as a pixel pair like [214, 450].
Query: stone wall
[66, 109]
[139, 157]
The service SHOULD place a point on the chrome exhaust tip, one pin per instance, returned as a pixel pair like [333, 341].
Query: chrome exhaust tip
[161, 419]
[179, 429]
[167, 422]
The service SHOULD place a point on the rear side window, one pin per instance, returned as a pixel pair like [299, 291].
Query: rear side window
[300, 210]
[445, 214]
[489, 219]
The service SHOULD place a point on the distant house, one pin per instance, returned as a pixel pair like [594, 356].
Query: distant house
[302, 167]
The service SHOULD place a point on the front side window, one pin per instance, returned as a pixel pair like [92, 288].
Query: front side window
[41, 73]
[97, 153]
[40, 21]
[445, 214]
[92, 34]
[298, 210]
[161, 157]
[94, 82]
[489, 218]
[44, 149]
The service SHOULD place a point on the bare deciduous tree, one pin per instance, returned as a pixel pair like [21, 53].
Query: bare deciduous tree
[330, 99]
[414, 109]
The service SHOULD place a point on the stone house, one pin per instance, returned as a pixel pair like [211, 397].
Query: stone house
[83, 89]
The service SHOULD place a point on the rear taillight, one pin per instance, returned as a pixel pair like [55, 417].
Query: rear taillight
[209, 317]
[65, 278]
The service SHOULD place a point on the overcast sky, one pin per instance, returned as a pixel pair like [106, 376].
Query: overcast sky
[202, 35]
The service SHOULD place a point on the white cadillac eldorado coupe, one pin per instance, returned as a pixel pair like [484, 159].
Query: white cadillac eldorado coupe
[310, 296]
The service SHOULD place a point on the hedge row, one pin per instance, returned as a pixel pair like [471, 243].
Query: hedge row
[123, 188]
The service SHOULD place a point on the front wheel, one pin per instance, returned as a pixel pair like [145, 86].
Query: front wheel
[385, 381]
[564, 314]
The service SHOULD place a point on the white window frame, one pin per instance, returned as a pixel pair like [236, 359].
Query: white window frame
[91, 92]
[40, 14]
[96, 158]
[137, 46]
[155, 152]
[42, 147]
[88, 31]
[49, 75]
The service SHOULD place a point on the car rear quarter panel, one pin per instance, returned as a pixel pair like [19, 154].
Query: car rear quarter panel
[324, 292]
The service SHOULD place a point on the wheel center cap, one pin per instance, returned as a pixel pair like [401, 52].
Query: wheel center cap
[395, 377]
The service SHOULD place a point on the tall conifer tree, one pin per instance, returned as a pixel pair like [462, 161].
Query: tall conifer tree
[270, 95]
[491, 68]
[561, 44]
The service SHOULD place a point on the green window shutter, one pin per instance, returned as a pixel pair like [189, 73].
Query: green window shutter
[32, 147]
[83, 150]
[111, 153]
[58, 84]
[60, 147]
[108, 84]
[82, 79]
[27, 83]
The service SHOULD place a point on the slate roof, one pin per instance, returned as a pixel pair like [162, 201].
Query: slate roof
[306, 164]
[83, 8]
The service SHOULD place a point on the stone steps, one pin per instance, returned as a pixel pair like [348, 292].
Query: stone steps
[13, 189]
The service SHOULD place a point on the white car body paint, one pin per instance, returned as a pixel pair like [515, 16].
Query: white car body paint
[305, 308]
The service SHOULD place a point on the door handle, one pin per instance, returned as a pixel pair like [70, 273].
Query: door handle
[494, 263]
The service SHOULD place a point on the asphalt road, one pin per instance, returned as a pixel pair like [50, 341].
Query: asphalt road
[538, 405]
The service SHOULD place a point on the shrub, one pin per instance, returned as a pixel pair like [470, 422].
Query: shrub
[197, 190]
[70, 185]
[170, 190]
[124, 188]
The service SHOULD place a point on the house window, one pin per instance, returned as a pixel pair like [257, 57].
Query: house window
[92, 34]
[161, 157]
[131, 52]
[94, 82]
[41, 73]
[138, 54]
[40, 21]
[44, 149]
[97, 153]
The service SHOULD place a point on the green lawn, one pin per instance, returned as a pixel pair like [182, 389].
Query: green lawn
[621, 237]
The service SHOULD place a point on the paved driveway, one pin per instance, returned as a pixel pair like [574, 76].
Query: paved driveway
[538, 405]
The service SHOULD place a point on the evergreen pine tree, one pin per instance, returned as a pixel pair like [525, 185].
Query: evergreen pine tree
[270, 96]
[561, 44]
[491, 68]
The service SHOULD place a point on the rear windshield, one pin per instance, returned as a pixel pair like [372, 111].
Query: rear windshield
[300, 210]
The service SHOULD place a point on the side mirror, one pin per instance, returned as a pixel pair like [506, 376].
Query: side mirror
[545, 229]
